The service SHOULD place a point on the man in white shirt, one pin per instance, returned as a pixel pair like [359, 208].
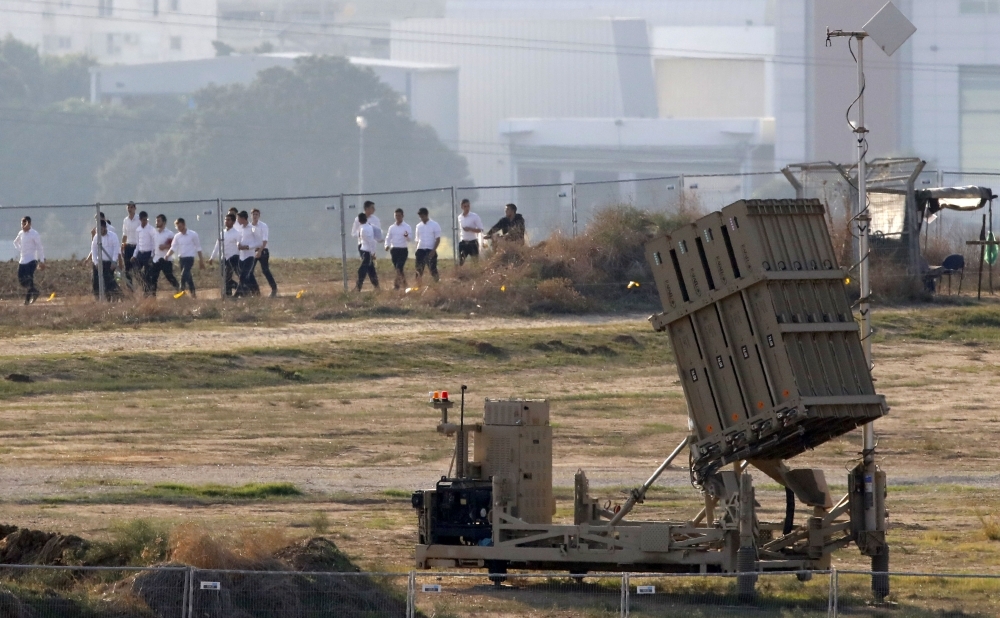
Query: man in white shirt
[32, 256]
[428, 234]
[366, 245]
[249, 246]
[369, 213]
[161, 260]
[265, 253]
[397, 239]
[471, 226]
[130, 228]
[105, 250]
[185, 246]
[93, 231]
[230, 254]
[145, 244]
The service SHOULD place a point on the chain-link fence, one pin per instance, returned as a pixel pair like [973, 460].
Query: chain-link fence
[185, 592]
[311, 244]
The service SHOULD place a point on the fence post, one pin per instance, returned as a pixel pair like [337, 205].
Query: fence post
[100, 253]
[189, 601]
[572, 205]
[831, 606]
[624, 601]
[411, 595]
[454, 227]
[343, 241]
[222, 248]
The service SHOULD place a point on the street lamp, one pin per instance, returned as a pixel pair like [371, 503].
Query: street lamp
[362, 125]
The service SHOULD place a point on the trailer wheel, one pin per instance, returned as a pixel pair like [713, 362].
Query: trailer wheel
[880, 575]
[746, 579]
[804, 576]
[497, 570]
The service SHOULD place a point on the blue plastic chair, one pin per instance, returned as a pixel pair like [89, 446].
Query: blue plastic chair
[954, 263]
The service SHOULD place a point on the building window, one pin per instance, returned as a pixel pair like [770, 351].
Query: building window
[156, 7]
[105, 8]
[979, 88]
[175, 43]
[978, 7]
[175, 5]
[65, 42]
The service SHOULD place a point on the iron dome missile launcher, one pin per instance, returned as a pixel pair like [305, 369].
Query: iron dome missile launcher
[770, 359]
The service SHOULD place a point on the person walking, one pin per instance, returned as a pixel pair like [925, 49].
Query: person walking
[249, 246]
[31, 256]
[105, 250]
[366, 239]
[471, 226]
[397, 239]
[185, 246]
[130, 230]
[510, 227]
[230, 254]
[265, 253]
[162, 240]
[428, 237]
[369, 213]
[145, 244]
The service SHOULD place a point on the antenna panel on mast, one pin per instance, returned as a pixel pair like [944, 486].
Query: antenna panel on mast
[889, 28]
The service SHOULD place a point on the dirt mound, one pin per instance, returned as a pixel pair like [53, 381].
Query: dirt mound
[317, 554]
[22, 546]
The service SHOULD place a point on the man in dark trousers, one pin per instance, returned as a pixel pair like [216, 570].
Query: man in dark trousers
[366, 244]
[249, 246]
[230, 254]
[265, 253]
[105, 251]
[31, 256]
[130, 232]
[162, 240]
[510, 227]
[397, 239]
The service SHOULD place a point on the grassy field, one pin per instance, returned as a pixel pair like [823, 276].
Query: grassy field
[323, 428]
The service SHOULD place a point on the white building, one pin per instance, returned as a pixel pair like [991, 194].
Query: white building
[114, 31]
[531, 69]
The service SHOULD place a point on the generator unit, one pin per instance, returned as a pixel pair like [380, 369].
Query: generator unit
[771, 363]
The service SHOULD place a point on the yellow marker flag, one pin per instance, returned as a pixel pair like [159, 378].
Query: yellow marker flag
[503, 288]
[633, 284]
[179, 294]
[300, 294]
[51, 296]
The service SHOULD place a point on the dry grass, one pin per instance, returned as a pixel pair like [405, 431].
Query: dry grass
[991, 526]
[196, 545]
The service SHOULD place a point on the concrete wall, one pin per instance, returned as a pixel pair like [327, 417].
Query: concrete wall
[711, 87]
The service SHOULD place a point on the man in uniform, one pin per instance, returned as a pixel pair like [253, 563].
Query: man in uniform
[230, 254]
[161, 261]
[145, 245]
[397, 239]
[249, 245]
[130, 227]
[31, 256]
[105, 250]
[186, 245]
[428, 235]
[471, 227]
[265, 253]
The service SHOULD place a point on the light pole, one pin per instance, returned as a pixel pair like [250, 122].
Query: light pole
[362, 125]
[889, 29]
